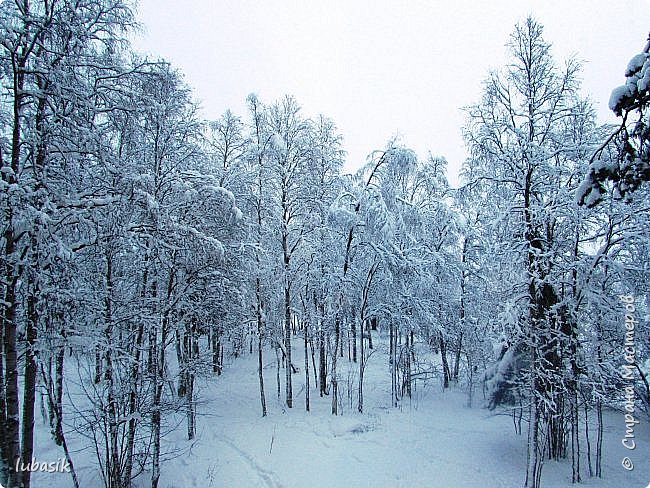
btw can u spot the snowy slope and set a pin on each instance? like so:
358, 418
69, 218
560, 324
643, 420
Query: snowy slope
432, 441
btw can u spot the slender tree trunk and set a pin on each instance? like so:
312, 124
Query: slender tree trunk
135, 378
53, 379
189, 395
158, 380
445, 364
347, 332
68, 457
306, 368
29, 393
575, 439
182, 364
98, 364
4, 462
260, 373
572, 392
112, 455
361, 371
533, 462
219, 352
470, 379
277, 371
459, 349
599, 438
151, 351
322, 361
287, 344
461, 317
9, 414
159, 362
337, 334
58, 395
11, 443
391, 342
214, 345
313, 361
191, 415
354, 339
54, 400
393, 365
588, 441
406, 377
260, 334
31, 332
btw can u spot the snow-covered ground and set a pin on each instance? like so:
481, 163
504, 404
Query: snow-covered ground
433, 440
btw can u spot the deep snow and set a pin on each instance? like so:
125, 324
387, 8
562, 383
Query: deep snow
433, 440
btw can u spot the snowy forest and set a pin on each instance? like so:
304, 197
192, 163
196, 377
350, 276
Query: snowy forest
189, 302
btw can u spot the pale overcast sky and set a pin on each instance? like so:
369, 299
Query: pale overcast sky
380, 68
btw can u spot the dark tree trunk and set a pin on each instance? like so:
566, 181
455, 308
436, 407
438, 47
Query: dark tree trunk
361, 371
406, 382
313, 361
260, 334
9, 409
393, 365
445, 364
322, 362
306, 368
459, 348
135, 379
588, 441
11, 441
260, 373
337, 334
354, 339
113, 465
391, 347
214, 344
55, 407
190, 354
158, 380
58, 396
191, 415
182, 366
287, 345
29, 394
151, 351
599, 438
277, 371
4, 462
98, 364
